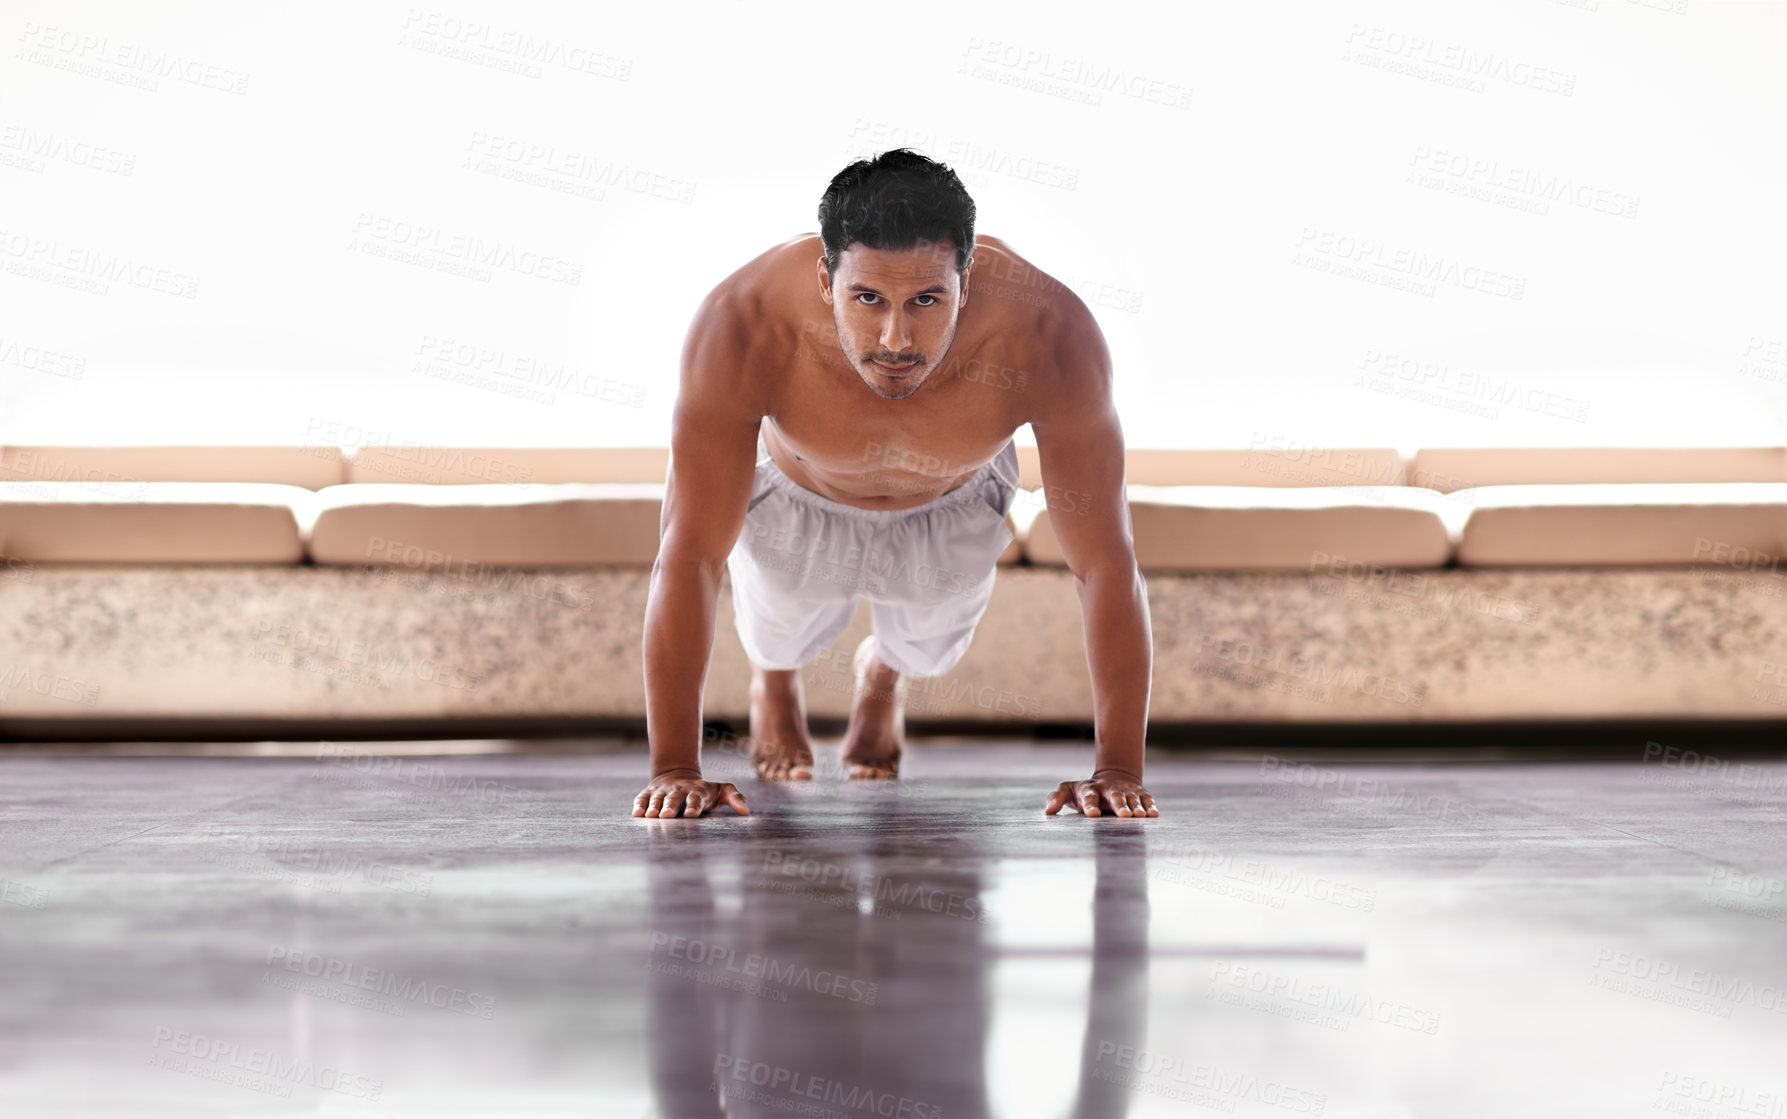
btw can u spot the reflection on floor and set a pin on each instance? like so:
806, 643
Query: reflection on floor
419, 936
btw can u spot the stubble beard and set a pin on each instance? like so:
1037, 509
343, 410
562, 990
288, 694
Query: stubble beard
868, 373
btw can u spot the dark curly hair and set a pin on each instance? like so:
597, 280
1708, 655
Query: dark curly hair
898, 200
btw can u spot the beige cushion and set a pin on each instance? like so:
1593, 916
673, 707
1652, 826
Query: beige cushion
1014, 551
423, 526
312, 467
153, 522
1199, 528
561, 524
462, 466
1629, 523
1026, 507
1456, 468
1268, 466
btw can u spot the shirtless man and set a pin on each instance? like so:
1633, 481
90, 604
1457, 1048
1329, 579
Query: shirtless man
843, 429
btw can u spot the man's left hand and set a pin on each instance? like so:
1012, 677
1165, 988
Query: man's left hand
1121, 793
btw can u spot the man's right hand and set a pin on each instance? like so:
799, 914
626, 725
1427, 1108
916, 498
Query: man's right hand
683, 791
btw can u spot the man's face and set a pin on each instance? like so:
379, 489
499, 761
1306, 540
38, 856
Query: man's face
895, 310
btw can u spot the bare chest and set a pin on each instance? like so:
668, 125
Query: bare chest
832, 434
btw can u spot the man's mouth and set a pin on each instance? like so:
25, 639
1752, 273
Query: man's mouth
896, 370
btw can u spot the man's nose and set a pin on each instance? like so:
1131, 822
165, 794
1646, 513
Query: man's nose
896, 333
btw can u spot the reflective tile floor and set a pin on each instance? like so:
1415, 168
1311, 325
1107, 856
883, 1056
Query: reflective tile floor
493, 935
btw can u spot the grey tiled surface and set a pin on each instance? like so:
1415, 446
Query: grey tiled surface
494, 936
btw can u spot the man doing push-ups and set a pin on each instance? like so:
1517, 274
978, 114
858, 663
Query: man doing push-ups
843, 429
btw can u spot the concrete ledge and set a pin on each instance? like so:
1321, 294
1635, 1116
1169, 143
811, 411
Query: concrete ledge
359, 644
1463, 742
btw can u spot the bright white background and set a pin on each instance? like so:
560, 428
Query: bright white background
1301, 129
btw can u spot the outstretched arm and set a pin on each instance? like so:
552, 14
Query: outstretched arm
713, 457
1080, 443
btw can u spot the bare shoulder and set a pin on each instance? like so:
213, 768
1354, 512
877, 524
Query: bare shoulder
756, 297
1021, 285
726, 364
761, 279
770, 291
1066, 350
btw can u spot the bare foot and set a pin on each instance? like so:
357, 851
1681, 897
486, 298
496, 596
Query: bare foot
877, 730
780, 749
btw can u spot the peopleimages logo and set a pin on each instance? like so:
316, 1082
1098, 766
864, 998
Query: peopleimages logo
1646, 977
1316, 671
123, 63
1177, 862
37, 359
1072, 77
1358, 792
1206, 1085
899, 896
1523, 187
51, 260
225, 1057
708, 954
385, 235
1392, 50
346, 758
1325, 247
843, 560
1465, 384
1714, 768
517, 375
34, 148
1344, 1006
292, 854
1726, 1098
407, 988
506, 48
372, 660
732, 1074
37, 681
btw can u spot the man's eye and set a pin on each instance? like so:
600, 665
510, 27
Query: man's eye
932, 298
866, 295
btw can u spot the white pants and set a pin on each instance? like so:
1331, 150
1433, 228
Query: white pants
803, 560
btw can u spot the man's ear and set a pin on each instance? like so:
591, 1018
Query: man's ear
967, 273
824, 283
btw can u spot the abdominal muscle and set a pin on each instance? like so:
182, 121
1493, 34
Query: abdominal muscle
881, 486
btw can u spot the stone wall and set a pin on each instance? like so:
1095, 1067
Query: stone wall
108, 642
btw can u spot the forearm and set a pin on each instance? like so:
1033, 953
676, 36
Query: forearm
1120, 654
679, 639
